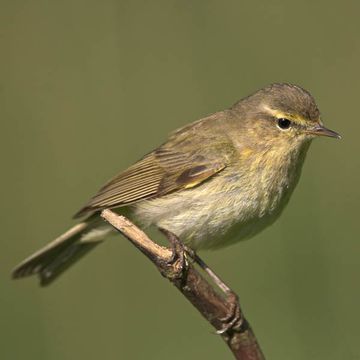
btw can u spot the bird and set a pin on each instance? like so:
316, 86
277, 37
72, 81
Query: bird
214, 182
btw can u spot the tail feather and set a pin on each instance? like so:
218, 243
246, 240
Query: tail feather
56, 257
63, 261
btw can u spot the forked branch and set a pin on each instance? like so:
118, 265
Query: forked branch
212, 306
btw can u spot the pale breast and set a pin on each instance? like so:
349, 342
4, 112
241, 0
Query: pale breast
234, 205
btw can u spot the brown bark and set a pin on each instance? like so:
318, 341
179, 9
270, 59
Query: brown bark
213, 306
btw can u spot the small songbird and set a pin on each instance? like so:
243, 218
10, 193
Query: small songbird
216, 181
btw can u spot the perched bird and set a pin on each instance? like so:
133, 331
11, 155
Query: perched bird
216, 181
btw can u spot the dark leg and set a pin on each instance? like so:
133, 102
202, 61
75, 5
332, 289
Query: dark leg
177, 246
233, 319
213, 276
178, 253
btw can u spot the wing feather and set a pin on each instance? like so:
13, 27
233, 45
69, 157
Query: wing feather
179, 164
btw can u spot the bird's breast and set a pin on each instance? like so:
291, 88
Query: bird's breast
235, 204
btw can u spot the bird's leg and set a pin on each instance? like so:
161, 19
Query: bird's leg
234, 318
178, 254
177, 246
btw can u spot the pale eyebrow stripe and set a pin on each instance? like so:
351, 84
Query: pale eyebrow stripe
279, 114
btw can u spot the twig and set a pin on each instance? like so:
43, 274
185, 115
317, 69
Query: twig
212, 306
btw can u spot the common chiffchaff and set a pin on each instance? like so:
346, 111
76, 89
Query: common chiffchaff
215, 181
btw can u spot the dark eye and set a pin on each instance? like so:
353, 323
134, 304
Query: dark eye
284, 123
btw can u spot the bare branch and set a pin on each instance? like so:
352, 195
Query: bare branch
212, 306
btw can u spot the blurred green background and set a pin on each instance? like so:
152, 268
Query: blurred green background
88, 87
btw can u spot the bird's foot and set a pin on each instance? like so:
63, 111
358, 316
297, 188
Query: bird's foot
176, 266
233, 320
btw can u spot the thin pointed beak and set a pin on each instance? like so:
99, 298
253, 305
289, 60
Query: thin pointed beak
321, 130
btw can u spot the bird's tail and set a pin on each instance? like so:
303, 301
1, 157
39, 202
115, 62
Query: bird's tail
56, 257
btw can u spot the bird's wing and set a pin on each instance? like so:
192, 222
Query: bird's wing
176, 165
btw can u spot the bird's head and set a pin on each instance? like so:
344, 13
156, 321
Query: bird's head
282, 114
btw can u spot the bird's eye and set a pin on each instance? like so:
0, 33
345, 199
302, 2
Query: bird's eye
284, 124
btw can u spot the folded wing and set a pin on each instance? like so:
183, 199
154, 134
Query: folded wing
177, 165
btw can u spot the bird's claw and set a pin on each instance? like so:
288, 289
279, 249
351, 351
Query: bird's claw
233, 320
176, 265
